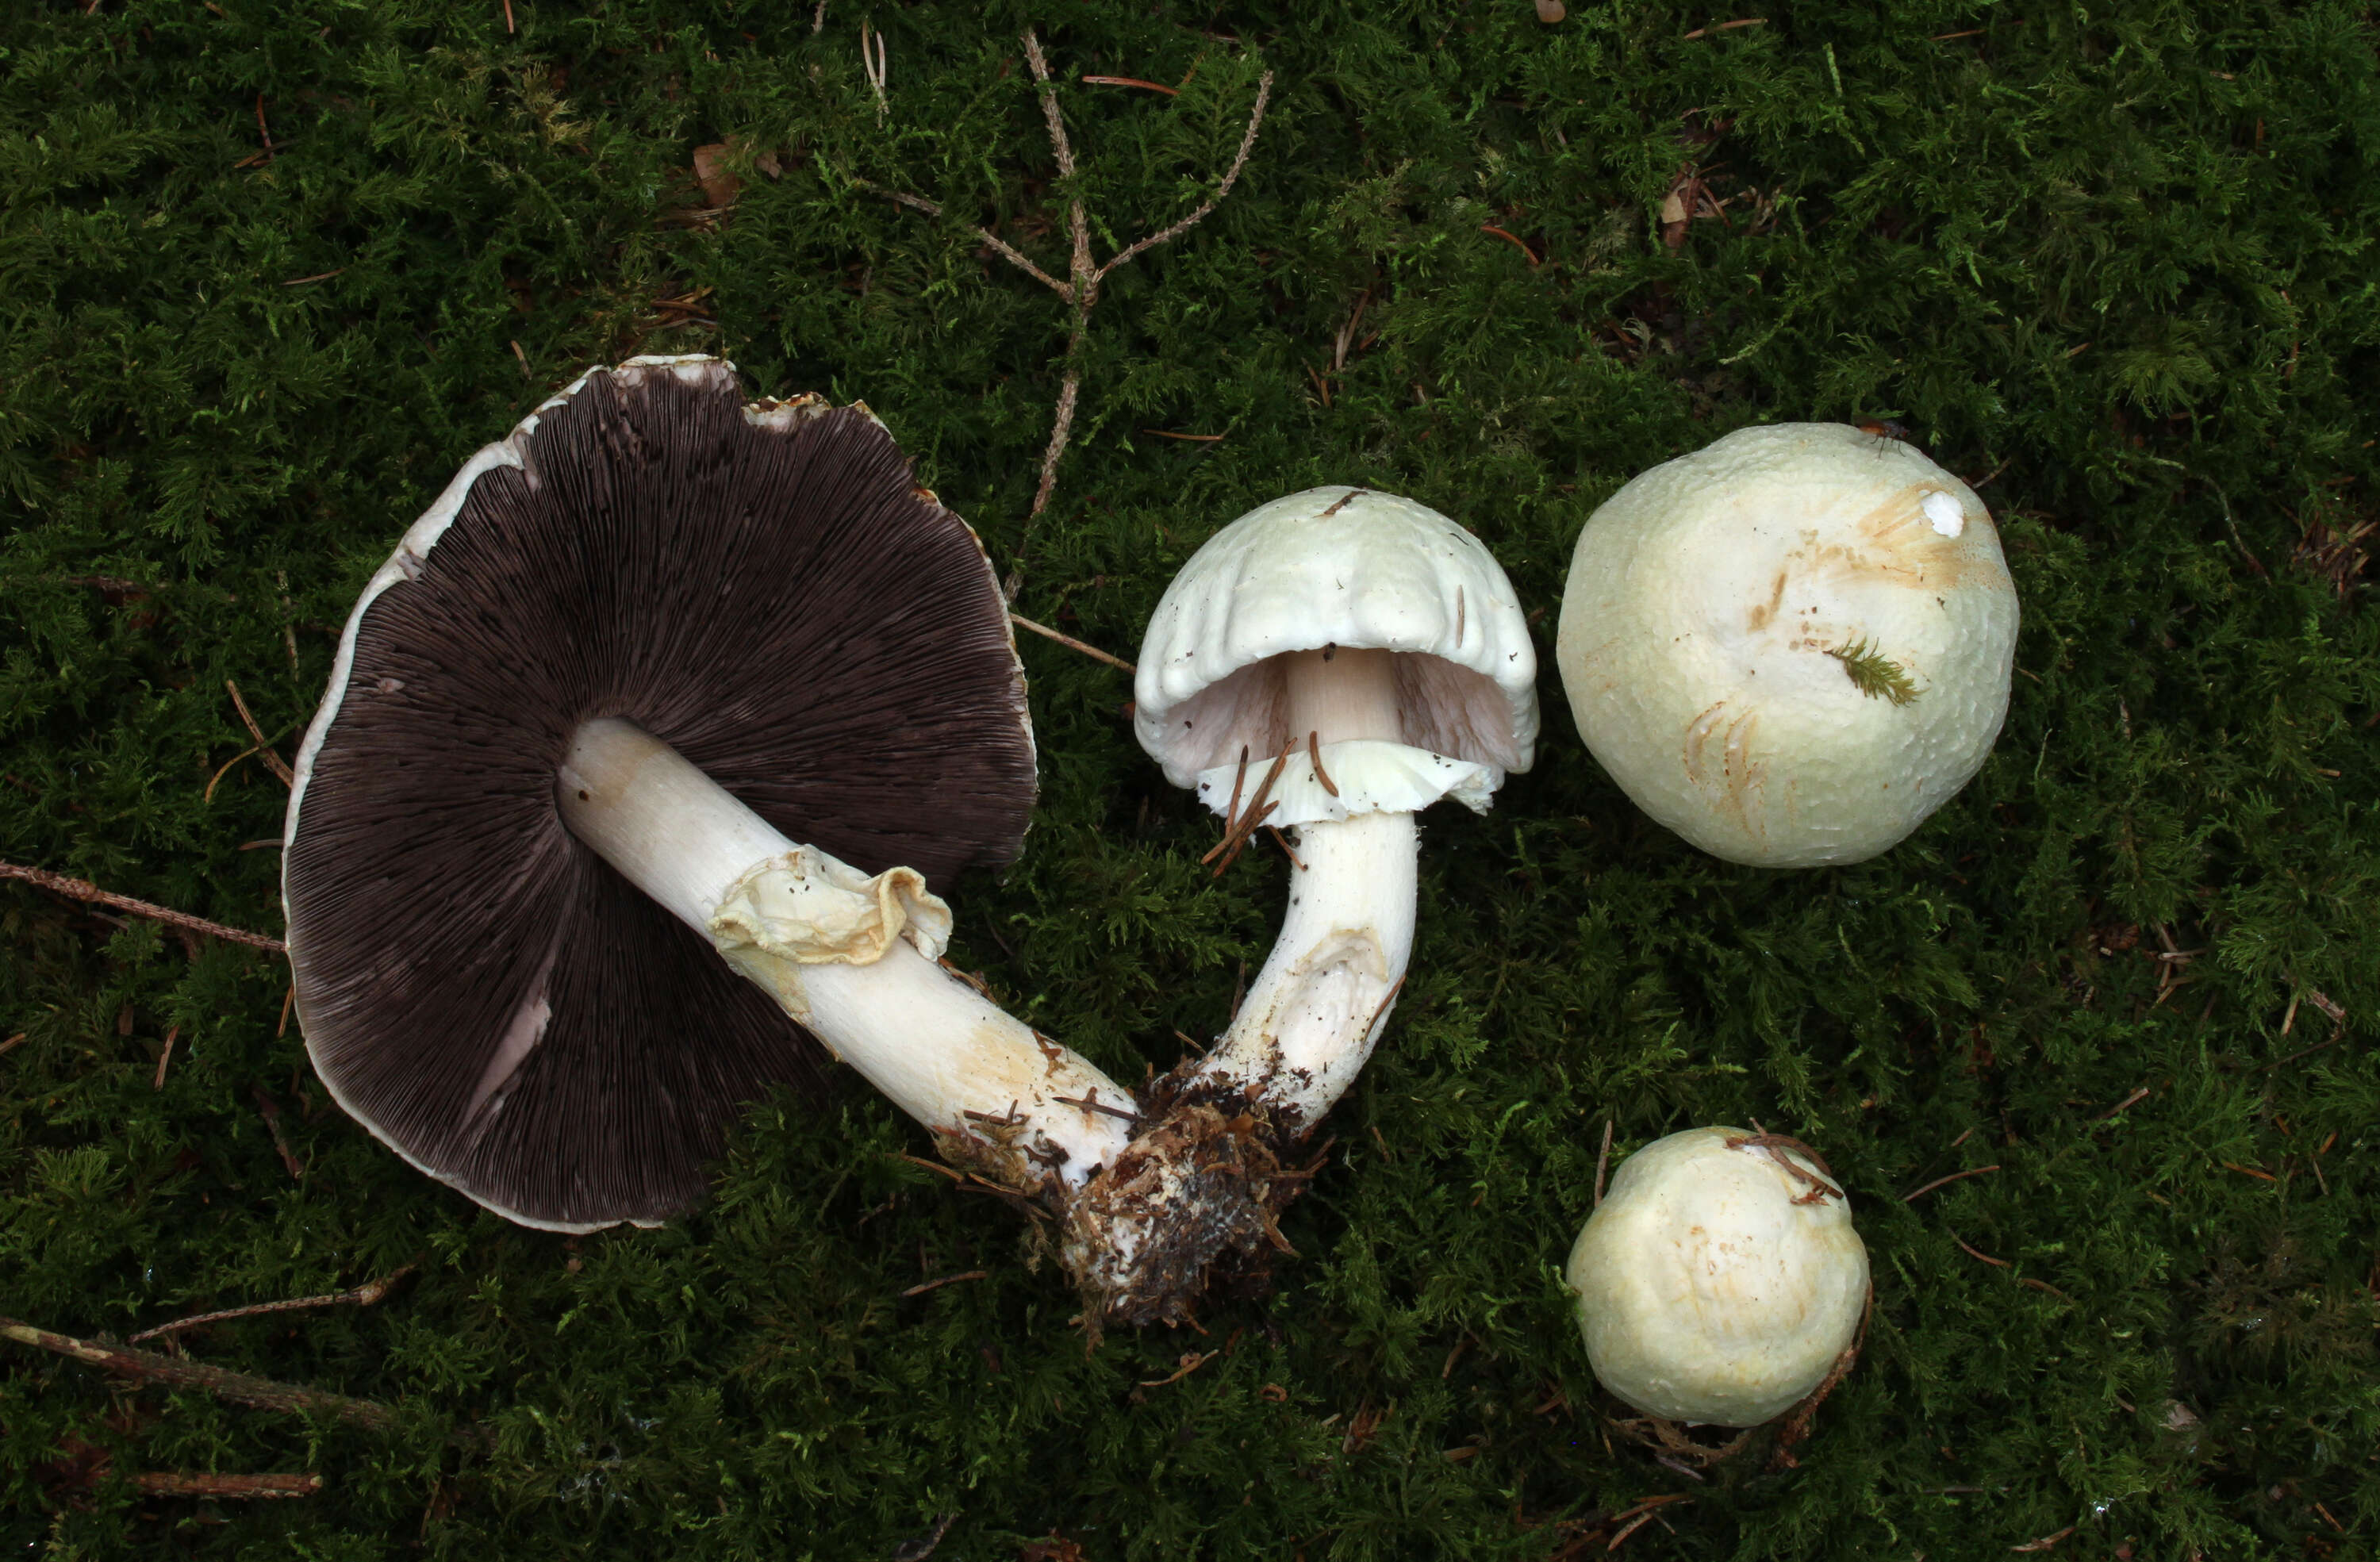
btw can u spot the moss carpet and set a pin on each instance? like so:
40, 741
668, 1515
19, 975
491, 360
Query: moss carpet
271, 271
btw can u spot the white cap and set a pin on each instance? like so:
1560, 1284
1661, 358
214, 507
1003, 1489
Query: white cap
1792, 645
1357, 569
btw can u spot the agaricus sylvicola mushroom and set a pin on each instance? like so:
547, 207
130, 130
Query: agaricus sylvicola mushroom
1720, 1281
631, 697
1328, 664
1792, 645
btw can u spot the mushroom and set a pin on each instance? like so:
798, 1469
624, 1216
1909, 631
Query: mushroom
633, 696
1330, 663
1720, 1281
1792, 645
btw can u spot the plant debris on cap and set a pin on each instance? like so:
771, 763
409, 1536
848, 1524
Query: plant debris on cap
762, 587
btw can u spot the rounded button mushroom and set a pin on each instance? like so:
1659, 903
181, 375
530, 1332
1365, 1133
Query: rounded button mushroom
634, 694
1328, 664
1720, 1281
1792, 645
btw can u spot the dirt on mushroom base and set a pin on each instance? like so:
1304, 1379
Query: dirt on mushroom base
1192, 1207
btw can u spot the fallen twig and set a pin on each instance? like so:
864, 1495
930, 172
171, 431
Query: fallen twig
235, 1488
240, 1388
1973, 1171
947, 1280
1071, 643
82, 889
1191, 1361
1080, 291
364, 1295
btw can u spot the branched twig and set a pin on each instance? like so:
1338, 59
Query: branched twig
1081, 290
362, 1296
82, 889
1007, 252
240, 1388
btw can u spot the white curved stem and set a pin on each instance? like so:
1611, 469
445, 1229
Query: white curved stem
839, 951
1308, 1023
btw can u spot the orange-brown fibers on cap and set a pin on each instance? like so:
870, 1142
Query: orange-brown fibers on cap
783, 609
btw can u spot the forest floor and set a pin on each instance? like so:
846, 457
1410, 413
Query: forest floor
273, 271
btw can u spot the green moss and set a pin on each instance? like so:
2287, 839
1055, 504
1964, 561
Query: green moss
2117, 260
1875, 674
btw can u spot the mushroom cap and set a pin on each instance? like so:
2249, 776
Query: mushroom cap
1706, 1293
762, 587
1712, 605
1356, 568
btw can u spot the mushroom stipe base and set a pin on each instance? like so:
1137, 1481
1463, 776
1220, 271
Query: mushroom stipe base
1191, 1209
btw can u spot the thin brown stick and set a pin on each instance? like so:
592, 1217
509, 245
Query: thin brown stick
1314, 752
1090, 1102
1380, 1010
1237, 836
1169, 434
240, 1388
364, 1295
215, 780
1282, 842
1994, 1263
1602, 1159
951, 1172
947, 1280
1006, 251
1071, 643
1062, 426
272, 761
1129, 81
1954, 1177
163, 1058
82, 889
1257, 815
1231, 811
234, 1488
272, 1111
1231, 176
1515, 240
1190, 1362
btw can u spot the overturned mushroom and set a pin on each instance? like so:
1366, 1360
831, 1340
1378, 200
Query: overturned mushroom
1329, 664
633, 696
1792, 645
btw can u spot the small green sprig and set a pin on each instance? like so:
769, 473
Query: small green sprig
1875, 674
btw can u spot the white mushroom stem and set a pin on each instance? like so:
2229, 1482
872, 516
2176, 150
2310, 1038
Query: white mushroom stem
841, 952
1307, 1025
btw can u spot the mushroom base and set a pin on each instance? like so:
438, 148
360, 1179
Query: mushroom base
1191, 1207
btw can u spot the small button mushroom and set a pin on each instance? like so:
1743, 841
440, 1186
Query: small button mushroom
1720, 1281
1792, 645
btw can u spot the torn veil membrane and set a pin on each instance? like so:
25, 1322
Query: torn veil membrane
638, 759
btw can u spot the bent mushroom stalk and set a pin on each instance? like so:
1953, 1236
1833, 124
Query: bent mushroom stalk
1330, 663
572, 833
